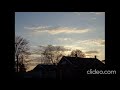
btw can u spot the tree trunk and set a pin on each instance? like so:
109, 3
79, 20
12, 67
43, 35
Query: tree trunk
17, 62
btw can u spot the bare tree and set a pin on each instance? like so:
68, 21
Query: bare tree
52, 53
77, 52
21, 53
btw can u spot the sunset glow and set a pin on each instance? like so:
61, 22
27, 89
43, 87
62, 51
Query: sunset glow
73, 30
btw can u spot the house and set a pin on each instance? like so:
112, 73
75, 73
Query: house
76, 67
42, 71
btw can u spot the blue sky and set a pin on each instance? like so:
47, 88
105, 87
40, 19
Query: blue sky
75, 30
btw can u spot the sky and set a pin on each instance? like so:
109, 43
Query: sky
74, 30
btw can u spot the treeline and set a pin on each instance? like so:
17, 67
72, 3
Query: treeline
49, 54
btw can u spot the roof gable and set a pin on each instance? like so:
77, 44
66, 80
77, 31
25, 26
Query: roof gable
82, 62
44, 67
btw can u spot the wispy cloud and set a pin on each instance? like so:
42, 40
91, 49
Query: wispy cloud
73, 47
99, 42
100, 53
97, 13
57, 29
91, 52
36, 28
65, 39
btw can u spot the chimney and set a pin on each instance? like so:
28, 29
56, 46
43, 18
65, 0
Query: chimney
95, 57
75, 55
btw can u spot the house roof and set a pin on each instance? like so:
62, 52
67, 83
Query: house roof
44, 67
82, 62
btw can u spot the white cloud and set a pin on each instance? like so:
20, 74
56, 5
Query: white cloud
68, 30
97, 13
98, 42
65, 39
73, 47
39, 27
57, 30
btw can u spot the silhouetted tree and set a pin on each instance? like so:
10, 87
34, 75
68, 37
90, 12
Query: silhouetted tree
22, 67
53, 53
77, 53
21, 52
